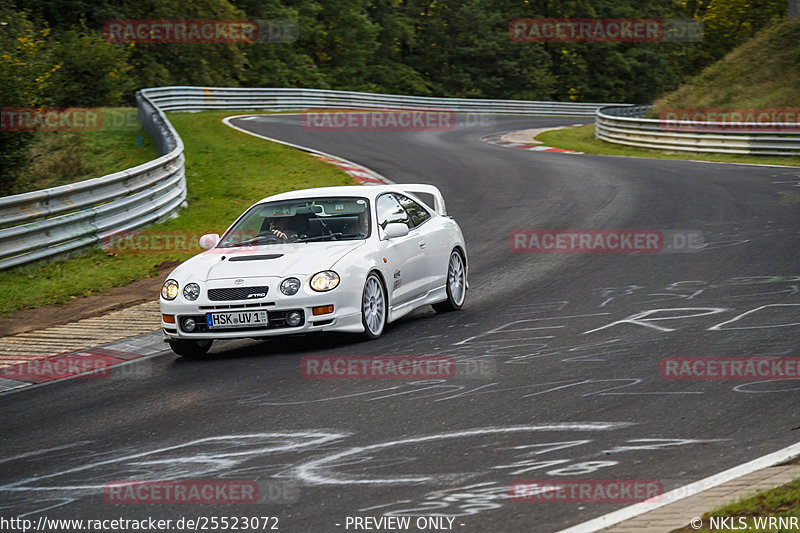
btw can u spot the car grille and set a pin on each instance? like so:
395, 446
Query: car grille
233, 306
237, 293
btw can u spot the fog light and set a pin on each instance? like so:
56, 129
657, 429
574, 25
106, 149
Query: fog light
322, 310
293, 318
188, 324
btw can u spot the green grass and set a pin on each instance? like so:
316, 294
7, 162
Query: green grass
581, 139
782, 501
62, 157
226, 172
762, 73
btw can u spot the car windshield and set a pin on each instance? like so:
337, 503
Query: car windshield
303, 220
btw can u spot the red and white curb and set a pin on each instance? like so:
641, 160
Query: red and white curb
82, 348
110, 361
498, 139
360, 173
534, 147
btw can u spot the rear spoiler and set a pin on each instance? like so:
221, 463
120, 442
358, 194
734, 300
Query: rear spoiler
421, 188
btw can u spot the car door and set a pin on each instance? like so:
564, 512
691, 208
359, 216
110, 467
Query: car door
435, 238
406, 265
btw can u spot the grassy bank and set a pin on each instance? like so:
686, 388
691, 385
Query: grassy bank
782, 501
581, 139
226, 172
61, 157
762, 73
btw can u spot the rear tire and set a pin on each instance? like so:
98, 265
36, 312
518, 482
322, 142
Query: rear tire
373, 307
456, 285
191, 349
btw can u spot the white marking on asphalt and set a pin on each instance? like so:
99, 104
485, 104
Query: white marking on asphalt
642, 317
206, 461
610, 519
719, 327
318, 472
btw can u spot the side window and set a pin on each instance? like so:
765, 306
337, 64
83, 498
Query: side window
390, 211
417, 212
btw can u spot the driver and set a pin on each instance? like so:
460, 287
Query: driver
282, 227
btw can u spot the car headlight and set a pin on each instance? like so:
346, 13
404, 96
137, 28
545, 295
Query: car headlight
191, 291
290, 286
170, 289
324, 281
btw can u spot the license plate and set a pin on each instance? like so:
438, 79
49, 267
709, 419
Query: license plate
236, 319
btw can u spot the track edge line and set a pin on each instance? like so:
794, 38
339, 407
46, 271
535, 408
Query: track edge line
632, 511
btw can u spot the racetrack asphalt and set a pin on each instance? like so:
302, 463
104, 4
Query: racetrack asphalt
565, 390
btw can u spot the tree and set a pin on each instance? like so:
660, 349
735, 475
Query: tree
25, 74
89, 71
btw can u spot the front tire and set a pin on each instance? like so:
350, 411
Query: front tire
373, 307
456, 285
190, 349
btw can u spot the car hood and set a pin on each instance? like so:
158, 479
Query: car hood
278, 260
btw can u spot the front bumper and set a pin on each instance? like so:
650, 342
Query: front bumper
346, 317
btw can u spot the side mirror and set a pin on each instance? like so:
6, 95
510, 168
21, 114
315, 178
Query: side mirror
394, 230
209, 240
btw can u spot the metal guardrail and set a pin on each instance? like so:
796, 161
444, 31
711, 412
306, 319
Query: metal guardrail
59, 220
200, 98
52, 222
627, 125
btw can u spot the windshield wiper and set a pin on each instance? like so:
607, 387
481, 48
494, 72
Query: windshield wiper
330, 236
248, 241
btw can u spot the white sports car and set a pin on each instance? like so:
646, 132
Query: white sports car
349, 259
